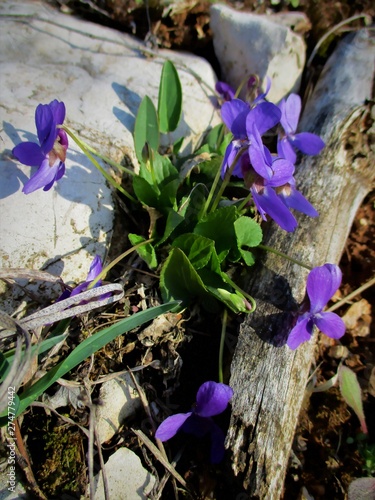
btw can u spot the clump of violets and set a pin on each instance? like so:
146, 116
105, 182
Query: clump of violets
322, 284
50, 154
269, 177
212, 399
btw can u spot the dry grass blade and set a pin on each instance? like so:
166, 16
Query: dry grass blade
158, 455
330, 32
31, 274
22, 360
71, 306
24, 462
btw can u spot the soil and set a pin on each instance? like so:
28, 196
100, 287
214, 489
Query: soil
329, 450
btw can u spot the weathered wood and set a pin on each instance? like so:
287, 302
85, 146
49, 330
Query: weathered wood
267, 377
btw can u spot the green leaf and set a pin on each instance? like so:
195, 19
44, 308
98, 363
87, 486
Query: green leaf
146, 128
168, 195
157, 183
192, 206
222, 291
180, 281
146, 252
198, 249
248, 234
208, 169
219, 226
215, 137
84, 350
145, 192
174, 219
4, 366
224, 144
177, 145
164, 170
170, 98
351, 392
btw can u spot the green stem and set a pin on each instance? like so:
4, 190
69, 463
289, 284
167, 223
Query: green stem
96, 164
226, 180
116, 261
212, 191
245, 202
280, 254
236, 287
240, 87
107, 160
222, 341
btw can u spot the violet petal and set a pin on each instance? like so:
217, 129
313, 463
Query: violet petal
29, 153
330, 324
225, 91
46, 127
234, 115
282, 172
300, 333
212, 398
258, 158
285, 150
95, 268
44, 176
291, 112
321, 285
171, 425
196, 425
58, 111
59, 169
271, 204
294, 199
217, 444
310, 144
264, 116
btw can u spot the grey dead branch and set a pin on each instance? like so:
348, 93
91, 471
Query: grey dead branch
267, 377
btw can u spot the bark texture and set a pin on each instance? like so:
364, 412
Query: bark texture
268, 378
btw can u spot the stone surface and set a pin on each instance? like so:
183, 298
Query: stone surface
247, 43
127, 479
119, 400
102, 76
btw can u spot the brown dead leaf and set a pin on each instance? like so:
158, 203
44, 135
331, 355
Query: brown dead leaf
358, 318
160, 327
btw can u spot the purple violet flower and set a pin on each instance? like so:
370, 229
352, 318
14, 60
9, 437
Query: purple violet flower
212, 399
96, 268
225, 91
308, 143
292, 198
240, 119
322, 283
50, 155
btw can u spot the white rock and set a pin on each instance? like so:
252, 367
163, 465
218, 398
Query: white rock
119, 400
127, 479
248, 44
102, 76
